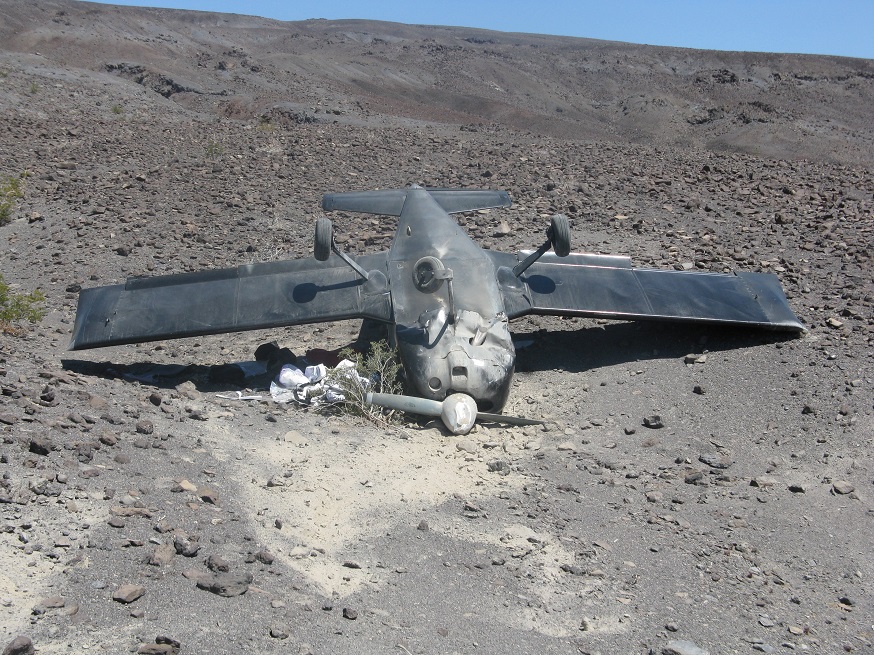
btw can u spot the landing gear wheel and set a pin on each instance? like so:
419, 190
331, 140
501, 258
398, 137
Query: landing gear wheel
324, 239
560, 235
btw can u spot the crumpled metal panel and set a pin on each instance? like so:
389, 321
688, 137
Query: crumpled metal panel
472, 355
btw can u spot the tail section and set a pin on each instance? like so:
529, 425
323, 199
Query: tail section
390, 202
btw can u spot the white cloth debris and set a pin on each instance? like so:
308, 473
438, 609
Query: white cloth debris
291, 376
316, 385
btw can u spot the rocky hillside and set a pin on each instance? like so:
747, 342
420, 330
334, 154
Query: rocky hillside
787, 106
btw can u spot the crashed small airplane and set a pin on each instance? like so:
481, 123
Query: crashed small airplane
448, 301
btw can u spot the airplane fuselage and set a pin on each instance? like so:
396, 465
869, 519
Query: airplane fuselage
451, 329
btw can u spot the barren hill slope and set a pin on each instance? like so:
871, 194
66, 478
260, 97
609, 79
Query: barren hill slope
780, 105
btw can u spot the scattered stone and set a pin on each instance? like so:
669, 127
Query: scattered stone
266, 557
349, 613
163, 646
108, 438
716, 461
654, 422
128, 593
567, 446
157, 649
797, 488
683, 647
842, 487
185, 546
226, 584
40, 445
52, 602
499, 466
423, 526
207, 495
162, 555
185, 485
467, 446
145, 427
21, 645
217, 564
280, 631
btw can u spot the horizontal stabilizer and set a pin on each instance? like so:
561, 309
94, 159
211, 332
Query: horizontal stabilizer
390, 202
249, 297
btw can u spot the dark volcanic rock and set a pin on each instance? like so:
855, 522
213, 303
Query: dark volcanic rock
226, 584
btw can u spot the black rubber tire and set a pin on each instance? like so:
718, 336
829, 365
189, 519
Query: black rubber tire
324, 239
560, 235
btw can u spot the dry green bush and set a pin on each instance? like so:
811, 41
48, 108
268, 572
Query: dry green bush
18, 307
11, 189
381, 366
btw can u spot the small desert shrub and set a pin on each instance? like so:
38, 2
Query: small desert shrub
214, 150
11, 189
381, 366
18, 307
117, 109
264, 124
34, 88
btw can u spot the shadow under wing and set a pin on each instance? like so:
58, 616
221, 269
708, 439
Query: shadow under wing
249, 297
606, 286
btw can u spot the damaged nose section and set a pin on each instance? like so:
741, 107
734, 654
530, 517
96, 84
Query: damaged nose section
470, 355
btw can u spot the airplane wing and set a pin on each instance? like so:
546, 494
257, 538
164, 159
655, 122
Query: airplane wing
607, 286
249, 297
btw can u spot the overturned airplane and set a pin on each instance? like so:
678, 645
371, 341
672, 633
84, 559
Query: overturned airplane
448, 301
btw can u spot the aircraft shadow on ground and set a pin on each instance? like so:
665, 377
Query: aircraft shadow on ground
621, 343
206, 378
572, 351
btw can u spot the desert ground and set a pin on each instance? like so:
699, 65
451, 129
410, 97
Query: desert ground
164, 515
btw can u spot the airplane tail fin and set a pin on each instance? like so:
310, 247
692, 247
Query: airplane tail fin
390, 202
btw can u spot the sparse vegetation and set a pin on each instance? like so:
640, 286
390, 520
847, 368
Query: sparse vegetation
214, 150
117, 109
34, 88
11, 189
380, 365
18, 307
